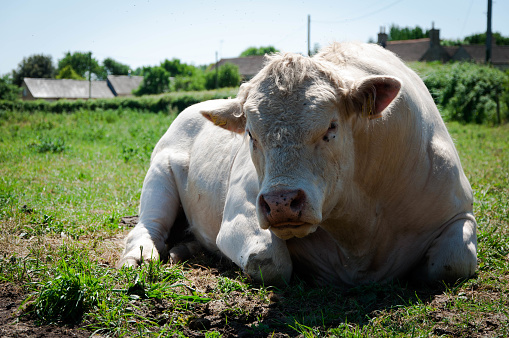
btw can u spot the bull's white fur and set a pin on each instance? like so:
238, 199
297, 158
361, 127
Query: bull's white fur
386, 197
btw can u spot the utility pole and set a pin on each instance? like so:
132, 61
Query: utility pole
488, 34
217, 71
89, 75
309, 35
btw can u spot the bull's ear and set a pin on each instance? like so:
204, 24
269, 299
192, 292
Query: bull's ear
371, 95
226, 113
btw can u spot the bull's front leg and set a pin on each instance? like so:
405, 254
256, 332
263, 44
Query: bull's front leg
260, 254
453, 255
159, 205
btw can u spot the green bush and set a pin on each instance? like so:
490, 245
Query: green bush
228, 75
467, 92
8, 90
153, 103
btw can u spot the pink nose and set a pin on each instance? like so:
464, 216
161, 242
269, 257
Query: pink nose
283, 208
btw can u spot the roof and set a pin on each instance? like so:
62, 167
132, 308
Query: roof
249, 66
409, 50
68, 89
122, 85
499, 54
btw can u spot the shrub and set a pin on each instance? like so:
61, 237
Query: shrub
467, 92
8, 90
228, 75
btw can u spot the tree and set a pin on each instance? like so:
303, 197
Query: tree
195, 82
480, 39
69, 73
259, 51
112, 67
228, 75
8, 90
175, 67
406, 33
36, 66
79, 61
156, 80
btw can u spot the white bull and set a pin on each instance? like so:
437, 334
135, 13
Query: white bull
338, 166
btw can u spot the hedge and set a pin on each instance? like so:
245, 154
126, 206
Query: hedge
468, 92
152, 103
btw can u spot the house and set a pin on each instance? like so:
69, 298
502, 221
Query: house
123, 85
54, 89
430, 49
249, 66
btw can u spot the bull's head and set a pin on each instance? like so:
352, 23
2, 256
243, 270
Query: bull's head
297, 116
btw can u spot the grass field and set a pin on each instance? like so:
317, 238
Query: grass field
67, 180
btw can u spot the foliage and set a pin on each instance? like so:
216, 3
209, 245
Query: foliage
156, 80
196, 82
480, 39
112, 67
81, 62
151, 103
8, 90
171, 75
227, 75
406, 33
259, 51
467, 92
69, 73
35, 66
175, 68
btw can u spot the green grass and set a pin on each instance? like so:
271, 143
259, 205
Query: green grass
66, 180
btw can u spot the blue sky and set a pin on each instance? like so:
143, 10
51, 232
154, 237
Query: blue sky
146, 32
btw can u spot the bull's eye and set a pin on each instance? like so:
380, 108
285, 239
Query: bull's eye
331, 132
252, 139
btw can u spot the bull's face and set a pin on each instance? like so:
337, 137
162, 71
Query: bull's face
295, 145
301, 143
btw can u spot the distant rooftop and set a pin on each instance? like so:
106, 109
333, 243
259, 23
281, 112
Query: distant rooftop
249, 66
123, 85
69, 89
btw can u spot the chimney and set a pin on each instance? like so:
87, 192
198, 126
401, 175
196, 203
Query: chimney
434, 36
382, 37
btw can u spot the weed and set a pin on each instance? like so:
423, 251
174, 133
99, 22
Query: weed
47, 145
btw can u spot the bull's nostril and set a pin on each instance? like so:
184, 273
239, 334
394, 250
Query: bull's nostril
298, 202
264, 205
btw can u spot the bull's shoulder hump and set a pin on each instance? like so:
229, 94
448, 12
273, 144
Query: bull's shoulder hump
191, 127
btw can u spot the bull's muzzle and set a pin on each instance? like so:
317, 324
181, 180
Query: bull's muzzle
283, 208
285, 213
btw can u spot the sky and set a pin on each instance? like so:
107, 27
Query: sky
144, 33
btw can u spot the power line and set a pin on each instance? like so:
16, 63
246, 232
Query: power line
466, 19
362, 16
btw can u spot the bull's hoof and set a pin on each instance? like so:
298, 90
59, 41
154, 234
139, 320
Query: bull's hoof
263, 270
128, 261
183, 251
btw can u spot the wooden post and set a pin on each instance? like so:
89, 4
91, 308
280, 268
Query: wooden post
488, 34
309, 35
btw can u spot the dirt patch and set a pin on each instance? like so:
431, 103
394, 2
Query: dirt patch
11, 325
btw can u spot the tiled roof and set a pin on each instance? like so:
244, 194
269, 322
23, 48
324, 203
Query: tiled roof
123, 85
409, 50
499, 54
249, 66
68, 89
